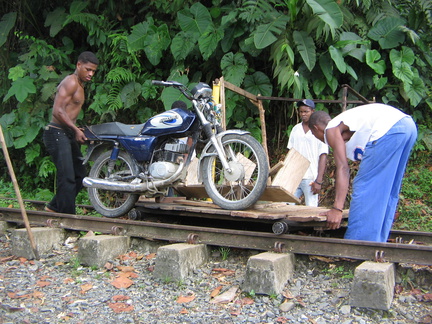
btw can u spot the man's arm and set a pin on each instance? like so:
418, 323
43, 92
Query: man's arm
322, 163
337, 143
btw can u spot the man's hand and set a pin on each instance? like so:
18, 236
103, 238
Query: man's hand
334, 218
80, 137
315, 188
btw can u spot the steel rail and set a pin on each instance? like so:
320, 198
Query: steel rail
330, 247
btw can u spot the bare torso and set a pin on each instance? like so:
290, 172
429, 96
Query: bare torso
69, 98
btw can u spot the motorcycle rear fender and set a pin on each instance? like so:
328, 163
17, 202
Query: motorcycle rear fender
95, 149
219, 136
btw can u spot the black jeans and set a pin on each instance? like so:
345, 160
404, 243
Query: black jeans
67, 157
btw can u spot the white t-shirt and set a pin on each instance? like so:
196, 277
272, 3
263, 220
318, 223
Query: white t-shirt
369, 122
308, 146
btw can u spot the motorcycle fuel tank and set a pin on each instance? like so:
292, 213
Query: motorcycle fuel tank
169, 122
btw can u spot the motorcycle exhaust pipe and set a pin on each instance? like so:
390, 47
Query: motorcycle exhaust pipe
130, 187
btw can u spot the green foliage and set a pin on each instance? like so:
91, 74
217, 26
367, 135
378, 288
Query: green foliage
340, 271
415, 209
6, 24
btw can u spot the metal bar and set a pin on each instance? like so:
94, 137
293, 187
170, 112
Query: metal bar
361, 250
315, 100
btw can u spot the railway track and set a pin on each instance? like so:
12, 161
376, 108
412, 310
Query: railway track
409, 247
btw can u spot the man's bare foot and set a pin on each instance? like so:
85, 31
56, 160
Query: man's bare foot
49, 210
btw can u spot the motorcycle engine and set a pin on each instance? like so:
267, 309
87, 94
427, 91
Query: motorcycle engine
167, 160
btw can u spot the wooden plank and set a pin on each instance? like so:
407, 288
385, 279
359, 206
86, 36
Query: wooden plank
291, 174
275, 168
240, 91
265, 211
192, 173
249, 167
271, 193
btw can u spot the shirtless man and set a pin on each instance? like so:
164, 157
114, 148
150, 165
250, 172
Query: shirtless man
62, 136
381, 137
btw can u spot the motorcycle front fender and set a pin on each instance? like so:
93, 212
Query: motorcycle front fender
205, 151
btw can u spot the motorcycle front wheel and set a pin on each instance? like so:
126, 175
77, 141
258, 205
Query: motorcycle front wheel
112, 203
244, 185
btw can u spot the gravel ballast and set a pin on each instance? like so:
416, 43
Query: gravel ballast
57, 289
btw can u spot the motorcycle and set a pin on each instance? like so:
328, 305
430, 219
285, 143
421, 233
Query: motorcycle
147, 159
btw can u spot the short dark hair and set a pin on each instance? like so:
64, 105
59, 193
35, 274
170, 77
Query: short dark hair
319, 117
87, 56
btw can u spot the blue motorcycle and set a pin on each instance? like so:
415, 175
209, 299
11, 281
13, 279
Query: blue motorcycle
147, 159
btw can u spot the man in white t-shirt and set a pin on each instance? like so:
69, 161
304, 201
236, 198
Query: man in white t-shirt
381, 137
303, 141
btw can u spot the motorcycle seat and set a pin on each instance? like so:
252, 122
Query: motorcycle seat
117, 129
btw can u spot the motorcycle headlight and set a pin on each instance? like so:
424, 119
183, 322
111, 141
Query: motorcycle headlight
202, 90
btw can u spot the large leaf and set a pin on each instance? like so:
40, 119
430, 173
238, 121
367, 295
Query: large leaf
258, 83
77, 7
32, 152
352, 45
337, 57
415, 91
388, 32
182, 44
196, 20
136, 40
379, 82
318, 86
402, 70
76, 13
351, 72
55, 20
156, 42
28, 136
5, 121
129, 94
169, 95
373, 60
6, 24
209, 41
306, 47
16, 72
326, 67
21, 88
234, 68
405, 55
328, 11
266, 34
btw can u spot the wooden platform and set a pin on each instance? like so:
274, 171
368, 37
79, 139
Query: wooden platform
284, 178
261, 211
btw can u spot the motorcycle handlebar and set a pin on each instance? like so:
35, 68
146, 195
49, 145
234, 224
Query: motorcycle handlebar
166, 83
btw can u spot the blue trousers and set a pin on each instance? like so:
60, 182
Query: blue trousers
377, 184
67, 157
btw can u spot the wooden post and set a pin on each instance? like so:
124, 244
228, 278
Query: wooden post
263, 128
222, 101
18, 194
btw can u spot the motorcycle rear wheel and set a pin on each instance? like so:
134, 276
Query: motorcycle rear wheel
112, 203
246, 183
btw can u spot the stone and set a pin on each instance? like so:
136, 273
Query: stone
97, 250
267, 273
4, 226
373, 285
177, 261
44, 237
